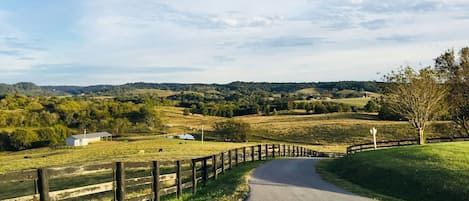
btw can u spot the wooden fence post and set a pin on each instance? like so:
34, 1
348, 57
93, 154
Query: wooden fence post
178, 180
273, 150
259, 152
297, 151
284, 151
222, 162
156, 180
236, 157
204, 171
214, 164
252, 153
43, 184
229, 158
279, 150
266, 151
194, 176
289, 150
244, 154
120, 181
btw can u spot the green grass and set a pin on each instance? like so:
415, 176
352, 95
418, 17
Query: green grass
430, 172
103, 152
233, 185
358, 102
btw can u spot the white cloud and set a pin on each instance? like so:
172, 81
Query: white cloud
236, 40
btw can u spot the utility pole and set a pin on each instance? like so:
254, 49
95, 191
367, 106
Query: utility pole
202, 134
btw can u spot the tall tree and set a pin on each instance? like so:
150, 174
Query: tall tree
455, 72
417, 96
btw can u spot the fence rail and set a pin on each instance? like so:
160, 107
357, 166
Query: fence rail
403, 142
140, 180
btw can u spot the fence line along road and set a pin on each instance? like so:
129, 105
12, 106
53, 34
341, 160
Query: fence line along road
403, 142
136, 180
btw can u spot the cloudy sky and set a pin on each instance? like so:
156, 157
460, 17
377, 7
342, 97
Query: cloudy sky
82, 42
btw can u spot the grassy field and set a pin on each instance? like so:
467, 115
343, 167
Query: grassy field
322, 132
335, 129
139, 150
333, 132
357, 102
233, 185
430, 172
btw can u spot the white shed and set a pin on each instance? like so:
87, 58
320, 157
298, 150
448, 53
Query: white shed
84, 139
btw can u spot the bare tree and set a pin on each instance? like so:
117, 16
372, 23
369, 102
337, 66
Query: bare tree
417, 96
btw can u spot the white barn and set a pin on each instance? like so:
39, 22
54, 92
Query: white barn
84, 139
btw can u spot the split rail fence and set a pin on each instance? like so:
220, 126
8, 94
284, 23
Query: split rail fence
134, 180
404, 142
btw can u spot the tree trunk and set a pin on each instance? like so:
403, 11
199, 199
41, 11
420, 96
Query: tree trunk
421, 136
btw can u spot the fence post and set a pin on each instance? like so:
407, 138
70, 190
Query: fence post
273, 150
178, 179
297, 151
266, 151
289, 151
229, 159
204, 171
214, 164
120, 181
252, 153
279, 152
156, 180
244, 154
43, 184
236, 156
284, 154
259, 152
194, 176
222, 162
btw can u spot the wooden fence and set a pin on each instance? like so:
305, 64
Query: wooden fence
135, 180
404, 142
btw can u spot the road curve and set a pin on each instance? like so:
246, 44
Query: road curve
294, 179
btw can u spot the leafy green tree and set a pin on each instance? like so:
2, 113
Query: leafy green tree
455, 72
372, 106
232, 130
417, 96
22, 139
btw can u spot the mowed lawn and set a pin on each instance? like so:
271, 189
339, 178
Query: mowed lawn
101, 152
430, 172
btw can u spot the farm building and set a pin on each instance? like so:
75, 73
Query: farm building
183, 137
84, 139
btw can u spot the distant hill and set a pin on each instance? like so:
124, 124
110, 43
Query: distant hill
234, 86
27, 88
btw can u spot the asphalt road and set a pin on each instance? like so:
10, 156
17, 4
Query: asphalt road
294, 179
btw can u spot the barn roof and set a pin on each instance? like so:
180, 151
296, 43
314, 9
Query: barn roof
91, 135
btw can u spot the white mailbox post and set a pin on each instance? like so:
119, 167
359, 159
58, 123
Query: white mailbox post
373, 132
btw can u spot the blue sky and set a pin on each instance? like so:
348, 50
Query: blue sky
83, 42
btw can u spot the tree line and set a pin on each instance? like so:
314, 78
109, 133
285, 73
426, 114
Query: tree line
45, 121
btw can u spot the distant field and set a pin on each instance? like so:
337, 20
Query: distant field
358, 102
431, 172
308, 91
334, 129
159, 92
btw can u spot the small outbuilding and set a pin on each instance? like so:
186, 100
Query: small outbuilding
183, 137
84, 139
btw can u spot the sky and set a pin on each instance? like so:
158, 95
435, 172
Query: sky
87, 42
